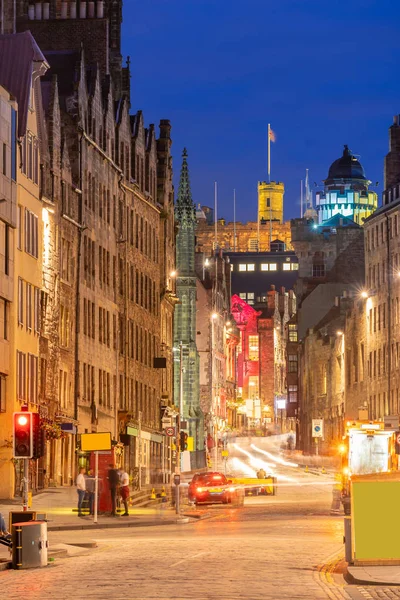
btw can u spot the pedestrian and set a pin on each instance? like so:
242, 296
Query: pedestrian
261, 474
81, 489
113, 481
90, 485
3, 527
124, 490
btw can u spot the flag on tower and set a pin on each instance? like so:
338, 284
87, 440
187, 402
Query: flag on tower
272, 135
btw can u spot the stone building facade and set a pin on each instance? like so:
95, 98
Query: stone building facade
241, 237
108, 246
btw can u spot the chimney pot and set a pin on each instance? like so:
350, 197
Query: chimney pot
38, 11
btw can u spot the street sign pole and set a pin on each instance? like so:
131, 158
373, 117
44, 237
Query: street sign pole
96, 484
25, 485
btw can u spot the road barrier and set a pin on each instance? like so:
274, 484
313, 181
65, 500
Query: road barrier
252, 485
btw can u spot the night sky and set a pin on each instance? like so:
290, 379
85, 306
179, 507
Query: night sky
322, 73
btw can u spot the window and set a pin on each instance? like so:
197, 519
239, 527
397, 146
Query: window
292, 389
264, 267
19, 227
286, 266
251, 267
293, 337
242, 267
292, 363
21, 375
243, 295
253, 347
29, 306
31, 234
295, 266
273, 266
32, 378
4, 159
20, 301
318, 271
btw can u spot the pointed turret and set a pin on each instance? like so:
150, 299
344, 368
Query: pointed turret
185, 210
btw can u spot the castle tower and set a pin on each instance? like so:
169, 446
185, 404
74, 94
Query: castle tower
192, 418
270, 201
346, 191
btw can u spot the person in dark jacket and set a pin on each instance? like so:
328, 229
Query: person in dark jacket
113, 482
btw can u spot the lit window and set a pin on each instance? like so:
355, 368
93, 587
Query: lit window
242, 267
231, 267
250, 296
250, 267
253, 347
293, 333
292, 393
286, 266
295, 266
242, 295
292, 363
264, 267
273, 267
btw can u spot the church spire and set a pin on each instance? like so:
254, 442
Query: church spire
185, 208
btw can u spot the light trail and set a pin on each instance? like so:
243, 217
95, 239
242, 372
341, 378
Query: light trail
277, 459
243, 467
257, 461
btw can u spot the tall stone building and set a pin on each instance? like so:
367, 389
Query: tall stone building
108, 246
186, 371
23, 220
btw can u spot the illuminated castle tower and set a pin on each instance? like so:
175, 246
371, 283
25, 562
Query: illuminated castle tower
270, 201
346, 191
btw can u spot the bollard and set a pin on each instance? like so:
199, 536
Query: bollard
153, 494
163, 492
306, 469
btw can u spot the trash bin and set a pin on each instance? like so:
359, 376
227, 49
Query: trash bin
29, 545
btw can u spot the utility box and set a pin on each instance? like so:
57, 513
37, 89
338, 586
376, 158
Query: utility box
29, 545
375, 526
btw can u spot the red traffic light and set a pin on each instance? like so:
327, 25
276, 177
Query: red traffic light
22, 435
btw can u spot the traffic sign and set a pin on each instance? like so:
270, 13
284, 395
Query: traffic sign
317, 428
170, 431
166, 422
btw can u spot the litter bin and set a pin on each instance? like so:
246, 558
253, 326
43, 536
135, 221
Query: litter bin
29, 545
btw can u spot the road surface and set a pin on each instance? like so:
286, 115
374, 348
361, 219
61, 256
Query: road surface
273, 548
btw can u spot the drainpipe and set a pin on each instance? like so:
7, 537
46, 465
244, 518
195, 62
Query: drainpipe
389, 300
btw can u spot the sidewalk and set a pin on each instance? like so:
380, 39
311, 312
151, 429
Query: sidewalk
58, 504
379, 575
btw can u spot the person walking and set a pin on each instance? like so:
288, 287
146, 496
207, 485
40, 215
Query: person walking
113, 481
124, 491
81, 489
90, 485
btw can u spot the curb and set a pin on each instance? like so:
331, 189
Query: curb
123, 525
350, 578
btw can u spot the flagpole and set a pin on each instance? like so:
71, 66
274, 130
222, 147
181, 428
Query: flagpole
215, 216
301, 198
234, 220
269, 153
258, 217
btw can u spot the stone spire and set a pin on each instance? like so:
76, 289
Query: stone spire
185, 210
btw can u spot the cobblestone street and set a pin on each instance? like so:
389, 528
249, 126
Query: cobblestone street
279, 547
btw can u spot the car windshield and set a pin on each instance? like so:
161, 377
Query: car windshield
212, 480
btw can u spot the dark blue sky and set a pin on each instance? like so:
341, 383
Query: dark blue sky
322, 73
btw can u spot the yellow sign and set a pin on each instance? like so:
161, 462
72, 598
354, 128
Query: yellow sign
190, 444
224, 453
91, 442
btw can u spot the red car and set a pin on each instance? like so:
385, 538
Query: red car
212, 488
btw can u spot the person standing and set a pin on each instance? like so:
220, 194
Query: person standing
124, 491
90, 485
113, 481
81, 489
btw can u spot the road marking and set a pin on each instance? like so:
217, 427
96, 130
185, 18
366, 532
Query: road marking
188, 558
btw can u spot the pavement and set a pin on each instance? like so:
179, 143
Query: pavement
275, 547
374, 575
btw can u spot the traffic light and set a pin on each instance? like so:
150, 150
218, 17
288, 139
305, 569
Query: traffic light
22, 435
39, 437
183, 440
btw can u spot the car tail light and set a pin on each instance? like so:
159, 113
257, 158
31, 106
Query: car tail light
200, 489
217, 477
231, 489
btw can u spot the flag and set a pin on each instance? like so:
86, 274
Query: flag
272, 135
